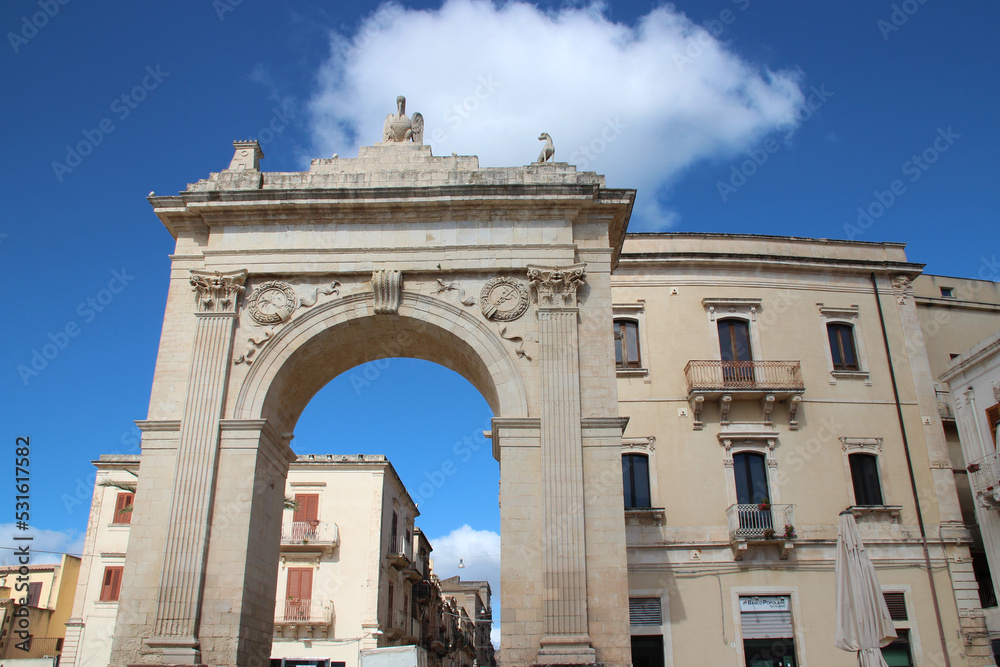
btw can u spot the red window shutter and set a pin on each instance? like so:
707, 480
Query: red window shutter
300, 583
112, 584
125, 499
993, 417
307, 507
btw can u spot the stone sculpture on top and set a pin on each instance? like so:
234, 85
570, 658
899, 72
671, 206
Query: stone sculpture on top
399, 128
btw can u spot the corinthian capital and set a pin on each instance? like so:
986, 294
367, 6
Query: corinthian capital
556, 286
218, 290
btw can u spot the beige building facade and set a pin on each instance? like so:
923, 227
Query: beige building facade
771, 382
354, 575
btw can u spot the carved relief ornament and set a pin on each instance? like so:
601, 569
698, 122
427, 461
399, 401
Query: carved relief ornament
217, 291
272, 302
387, 286
902, 288
557, 286
504, 299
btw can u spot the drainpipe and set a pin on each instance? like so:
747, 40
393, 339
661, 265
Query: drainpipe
913, 480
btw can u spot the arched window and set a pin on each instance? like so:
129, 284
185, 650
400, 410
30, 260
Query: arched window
627, 344
635, 479
864, 474
845, 357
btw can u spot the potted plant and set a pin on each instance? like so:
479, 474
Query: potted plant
790, 532
764, 505
973, 467
769, 533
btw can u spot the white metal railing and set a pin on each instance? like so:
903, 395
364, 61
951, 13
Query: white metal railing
751, 522
985, 473
305, 532
304, 611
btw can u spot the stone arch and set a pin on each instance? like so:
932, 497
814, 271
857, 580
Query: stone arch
344, 333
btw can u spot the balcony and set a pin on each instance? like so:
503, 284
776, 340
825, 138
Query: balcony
304, 536
725, 381
749, 524
985, 476
292, 616
400, 552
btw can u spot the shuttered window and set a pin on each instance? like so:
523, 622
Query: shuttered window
123, 508
111, 585
645, 611
896, 602
766, 617
306, 507
993, 418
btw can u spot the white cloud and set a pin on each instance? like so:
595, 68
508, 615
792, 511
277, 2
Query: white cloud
638, 103
479, 550
54, 542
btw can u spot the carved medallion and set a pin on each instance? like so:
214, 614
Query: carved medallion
504, 299
272, 302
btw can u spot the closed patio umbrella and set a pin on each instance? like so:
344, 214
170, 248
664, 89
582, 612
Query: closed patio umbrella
863, 621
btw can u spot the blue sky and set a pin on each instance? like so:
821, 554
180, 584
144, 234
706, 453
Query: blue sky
872, 120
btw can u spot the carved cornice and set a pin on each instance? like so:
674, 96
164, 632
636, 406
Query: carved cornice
217, 291
849, 444
556, 287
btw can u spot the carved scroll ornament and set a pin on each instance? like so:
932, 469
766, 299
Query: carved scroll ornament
557, 286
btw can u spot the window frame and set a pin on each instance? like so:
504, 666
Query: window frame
872, 446
620, 334
798, 630
909, 625
114, 593
632, 487
635, 312
664, 629
756, 443
840, 331
123, 499
868, 490
850, 316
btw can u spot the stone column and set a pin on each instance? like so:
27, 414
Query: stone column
178, 604
565, 639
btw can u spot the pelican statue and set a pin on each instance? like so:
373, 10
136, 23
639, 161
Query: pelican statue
548, 150
398, 128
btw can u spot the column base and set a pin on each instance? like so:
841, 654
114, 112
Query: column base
176, 651
566, 650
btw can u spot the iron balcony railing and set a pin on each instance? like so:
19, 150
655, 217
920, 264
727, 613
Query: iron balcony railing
402, 547
714, 374
314, 612
985, 473
310, 532
751, 523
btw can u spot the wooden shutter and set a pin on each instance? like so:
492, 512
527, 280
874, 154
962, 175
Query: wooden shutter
300, 583
307, 507
34, 593
112, 584
896, 602
125, 499
645, 611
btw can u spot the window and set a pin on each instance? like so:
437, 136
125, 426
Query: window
645, 611
845, 357
647, 651
635, 478
993, 419
299, 593
948, 292
768, 632
734, 346
864, 474
896, 604
627, 344
306, 507
111, 585
751, 478
394, 533
897, 654
123, 507
34, 593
